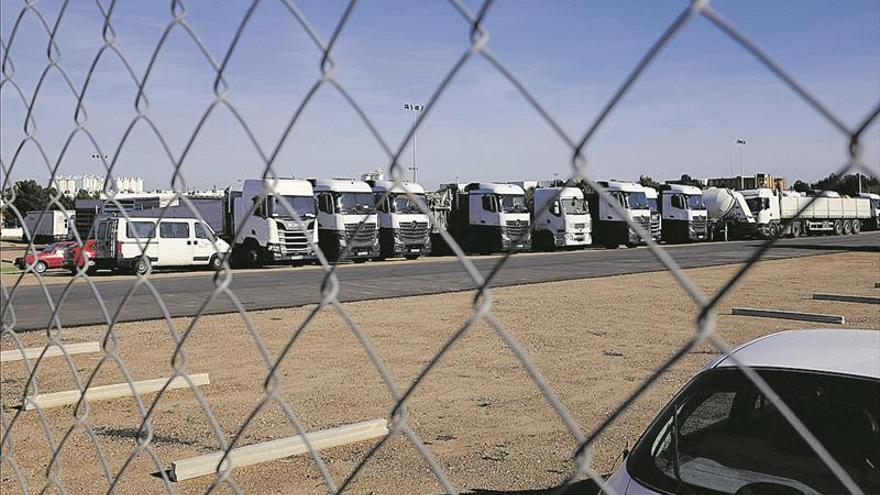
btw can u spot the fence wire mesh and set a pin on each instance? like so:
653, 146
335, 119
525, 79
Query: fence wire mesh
476, 46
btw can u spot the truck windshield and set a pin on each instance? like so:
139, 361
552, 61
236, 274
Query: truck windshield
303, 205
721, 435
652, 204
574, 206
695, 202
636, 201
351, 203
513, 203
401, 203
755, 204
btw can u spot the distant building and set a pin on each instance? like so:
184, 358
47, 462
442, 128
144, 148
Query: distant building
741, 182
95, 184
66, 185
92, 184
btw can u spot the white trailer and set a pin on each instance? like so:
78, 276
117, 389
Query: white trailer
826, 214
403, 225
564, 223
347, 220
729, 214
260, 223
47, 226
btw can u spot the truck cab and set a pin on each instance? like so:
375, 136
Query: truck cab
610, 228
485, 217
874, 223
263, 228
564, 222
347, 219
656, 218
404, 228
685, 218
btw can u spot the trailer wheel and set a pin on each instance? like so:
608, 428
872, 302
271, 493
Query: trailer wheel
847, 227
856, 226
838, 227
796, 229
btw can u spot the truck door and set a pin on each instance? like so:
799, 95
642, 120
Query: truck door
175, 244
203, 244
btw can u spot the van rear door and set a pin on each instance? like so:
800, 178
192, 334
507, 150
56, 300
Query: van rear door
105, 238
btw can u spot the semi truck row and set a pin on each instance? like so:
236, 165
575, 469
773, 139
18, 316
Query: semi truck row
294, 221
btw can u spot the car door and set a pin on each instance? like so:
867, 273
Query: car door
175, 243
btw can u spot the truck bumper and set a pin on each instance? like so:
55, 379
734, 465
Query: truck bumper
573, 240
413, 249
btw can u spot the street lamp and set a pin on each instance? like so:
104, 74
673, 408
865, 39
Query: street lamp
415, 109
742, 144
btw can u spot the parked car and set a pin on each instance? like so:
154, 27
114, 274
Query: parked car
721, 435
51, 256
78, 256
135, 244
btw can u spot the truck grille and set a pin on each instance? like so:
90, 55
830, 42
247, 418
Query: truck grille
294, 240
517, 229
366, 235
580, 225
645, 222
655, 225
699, 224
414, 231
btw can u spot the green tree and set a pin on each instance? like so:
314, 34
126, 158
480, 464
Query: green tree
31, 196
648, 181
688, 181
847, 184
800, 186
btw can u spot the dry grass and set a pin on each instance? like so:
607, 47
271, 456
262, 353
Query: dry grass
483, 418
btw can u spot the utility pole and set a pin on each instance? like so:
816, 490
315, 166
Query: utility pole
415, 109
742, 144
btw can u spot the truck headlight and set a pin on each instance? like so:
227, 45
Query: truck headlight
398, 237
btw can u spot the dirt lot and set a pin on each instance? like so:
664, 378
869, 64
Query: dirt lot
480, 414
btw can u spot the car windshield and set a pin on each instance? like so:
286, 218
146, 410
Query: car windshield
723, 436
401, 203
637, 201
574, 206
351, 203
303, 205
695, 202
513, 203
50, 248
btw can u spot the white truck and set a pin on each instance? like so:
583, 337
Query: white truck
52, 225
564, 222
729, 215
482, 217
136, 243
684, 215
656, 218
403, 225
826, 214
611, 229
347, 220
260, 227
874, 223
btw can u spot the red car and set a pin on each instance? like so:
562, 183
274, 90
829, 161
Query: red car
52, 256
77, 257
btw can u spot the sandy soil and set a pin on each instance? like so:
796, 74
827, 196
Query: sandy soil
479, 412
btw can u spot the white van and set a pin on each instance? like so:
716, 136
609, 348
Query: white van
134, 244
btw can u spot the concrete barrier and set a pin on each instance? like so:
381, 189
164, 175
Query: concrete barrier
789, 315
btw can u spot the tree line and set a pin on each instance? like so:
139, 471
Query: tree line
29, 195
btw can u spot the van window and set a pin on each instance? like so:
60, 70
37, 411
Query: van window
174, 230
140, 230
202, 232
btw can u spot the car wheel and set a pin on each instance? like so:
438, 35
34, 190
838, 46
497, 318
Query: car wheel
142, 265
215, 263
40, 267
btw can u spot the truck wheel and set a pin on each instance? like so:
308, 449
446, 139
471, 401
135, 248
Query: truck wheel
856, 226
40, 267
847, 227
142, 265
838, 227
774, 230
412, 257
796, 229
611, 245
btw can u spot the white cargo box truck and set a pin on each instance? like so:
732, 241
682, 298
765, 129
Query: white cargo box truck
826, 214
47, 226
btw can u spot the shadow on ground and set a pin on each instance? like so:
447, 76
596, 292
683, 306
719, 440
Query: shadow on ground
585, 487
868, 248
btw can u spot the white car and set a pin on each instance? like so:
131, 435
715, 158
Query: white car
720, 435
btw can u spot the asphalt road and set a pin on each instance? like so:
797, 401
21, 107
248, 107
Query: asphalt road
289, 287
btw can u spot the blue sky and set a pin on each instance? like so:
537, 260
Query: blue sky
683, 116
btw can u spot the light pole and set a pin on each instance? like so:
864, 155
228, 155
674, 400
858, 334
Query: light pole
415, 109
742, 144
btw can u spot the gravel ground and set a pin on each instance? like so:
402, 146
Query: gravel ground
479, 412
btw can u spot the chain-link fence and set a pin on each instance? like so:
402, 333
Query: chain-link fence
477, 46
